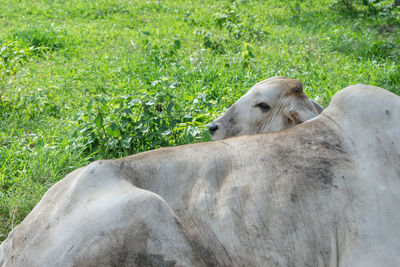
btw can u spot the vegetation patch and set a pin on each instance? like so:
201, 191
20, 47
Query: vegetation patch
42, 38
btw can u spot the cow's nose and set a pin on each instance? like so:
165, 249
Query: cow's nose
212, 128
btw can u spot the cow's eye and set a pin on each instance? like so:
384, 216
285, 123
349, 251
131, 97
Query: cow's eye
263, 106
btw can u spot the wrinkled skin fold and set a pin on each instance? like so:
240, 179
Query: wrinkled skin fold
324, 193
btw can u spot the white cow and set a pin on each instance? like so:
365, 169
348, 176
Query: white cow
272, 105
323, 193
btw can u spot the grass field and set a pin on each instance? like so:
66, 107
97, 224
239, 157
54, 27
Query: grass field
82, 80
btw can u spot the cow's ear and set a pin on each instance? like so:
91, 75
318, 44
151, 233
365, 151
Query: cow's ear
295, 87
317, 107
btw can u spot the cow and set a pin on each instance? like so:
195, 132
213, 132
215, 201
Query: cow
323, 193
272, 105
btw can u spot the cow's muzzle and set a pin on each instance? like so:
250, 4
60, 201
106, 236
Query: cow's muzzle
212, 128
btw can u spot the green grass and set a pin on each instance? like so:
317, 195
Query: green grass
82, 80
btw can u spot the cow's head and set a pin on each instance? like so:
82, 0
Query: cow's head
272, 105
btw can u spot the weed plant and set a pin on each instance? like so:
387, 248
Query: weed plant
82, 80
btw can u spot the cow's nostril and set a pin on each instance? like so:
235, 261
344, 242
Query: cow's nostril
212, 128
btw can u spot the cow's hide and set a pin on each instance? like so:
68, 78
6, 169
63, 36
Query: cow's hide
323, 193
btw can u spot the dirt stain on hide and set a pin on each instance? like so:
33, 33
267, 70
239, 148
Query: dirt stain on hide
307, 158
205, 253
320, 170
153, 260
119, 248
